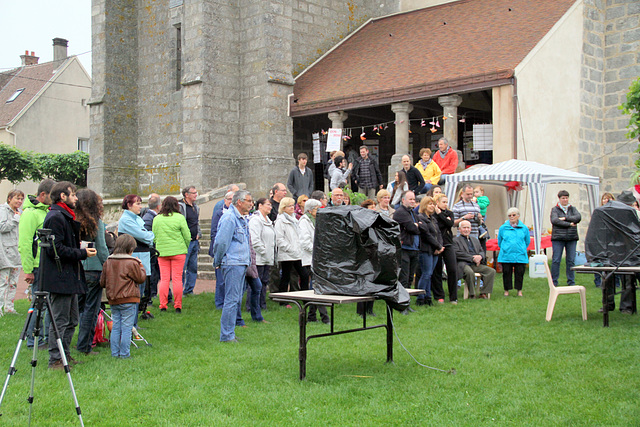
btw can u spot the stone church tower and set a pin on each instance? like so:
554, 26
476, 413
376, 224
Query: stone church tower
195, 91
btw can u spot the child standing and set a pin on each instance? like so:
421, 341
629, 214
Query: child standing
121, 275
484, 202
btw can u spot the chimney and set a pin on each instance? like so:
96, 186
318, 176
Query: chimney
29, 59
60, 49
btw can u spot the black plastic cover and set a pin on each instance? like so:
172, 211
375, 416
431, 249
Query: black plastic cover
356, 251
613, 237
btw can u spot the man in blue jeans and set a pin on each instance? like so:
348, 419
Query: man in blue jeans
232, 255
191, 212
564, 235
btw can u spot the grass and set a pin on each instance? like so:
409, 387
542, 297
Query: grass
513, 368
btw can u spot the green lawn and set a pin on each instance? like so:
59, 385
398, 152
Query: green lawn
513, 368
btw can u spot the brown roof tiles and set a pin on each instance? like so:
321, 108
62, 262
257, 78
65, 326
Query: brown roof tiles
427, 51
32, 78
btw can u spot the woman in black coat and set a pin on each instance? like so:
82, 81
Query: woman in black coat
444, 218
430, 247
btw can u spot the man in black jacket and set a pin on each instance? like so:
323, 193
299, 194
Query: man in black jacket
415, 181
64, 281
409, 237
366, 174
470, 255
564, 236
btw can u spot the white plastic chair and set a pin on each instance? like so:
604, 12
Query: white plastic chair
554, 291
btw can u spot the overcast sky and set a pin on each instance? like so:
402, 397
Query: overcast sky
33, 24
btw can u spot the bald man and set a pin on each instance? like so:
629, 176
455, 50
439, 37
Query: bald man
414, 177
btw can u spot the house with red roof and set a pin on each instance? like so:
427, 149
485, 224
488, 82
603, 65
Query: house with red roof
500, 79
43, 107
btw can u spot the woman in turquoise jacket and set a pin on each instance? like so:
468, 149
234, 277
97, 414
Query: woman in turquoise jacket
172, 238
130, 223
513, 239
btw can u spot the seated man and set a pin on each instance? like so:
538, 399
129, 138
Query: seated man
469, 255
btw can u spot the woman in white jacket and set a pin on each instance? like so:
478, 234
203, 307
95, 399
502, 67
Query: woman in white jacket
263, 240
307, 233
9, 256
289, 248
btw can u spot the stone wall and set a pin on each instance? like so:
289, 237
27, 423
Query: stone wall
621, 67
610, 64
216, 112
114, 114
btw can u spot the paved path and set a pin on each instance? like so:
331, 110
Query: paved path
201, 286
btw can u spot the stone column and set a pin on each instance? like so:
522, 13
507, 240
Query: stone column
402, 110
337, 119
450, 105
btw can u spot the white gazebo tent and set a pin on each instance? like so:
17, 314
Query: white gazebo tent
535, 175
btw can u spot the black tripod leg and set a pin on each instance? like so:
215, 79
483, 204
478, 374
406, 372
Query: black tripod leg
34, 358
64, 360
12, 367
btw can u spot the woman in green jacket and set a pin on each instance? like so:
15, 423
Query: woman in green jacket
172, 238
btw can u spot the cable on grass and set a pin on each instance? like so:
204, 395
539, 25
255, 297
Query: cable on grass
450, 371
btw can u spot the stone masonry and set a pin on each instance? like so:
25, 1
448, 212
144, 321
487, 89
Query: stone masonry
196, 92
610, 59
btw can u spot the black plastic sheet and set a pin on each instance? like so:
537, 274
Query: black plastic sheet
613, 237
356, 252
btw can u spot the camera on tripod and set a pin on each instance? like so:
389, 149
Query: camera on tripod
45, 237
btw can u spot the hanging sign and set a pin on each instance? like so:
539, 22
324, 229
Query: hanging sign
333, 139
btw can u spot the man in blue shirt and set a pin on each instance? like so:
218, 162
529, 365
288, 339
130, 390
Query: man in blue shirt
232, 255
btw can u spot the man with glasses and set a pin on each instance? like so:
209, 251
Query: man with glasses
191, 212
215, 219
232, 256
337, 197
279, 191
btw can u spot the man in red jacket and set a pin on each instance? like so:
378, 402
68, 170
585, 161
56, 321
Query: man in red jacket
446, 158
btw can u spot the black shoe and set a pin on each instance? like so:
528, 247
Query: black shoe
178, 310
371, 313
428, 302
163, 309
326, 321
312, 319
420, 302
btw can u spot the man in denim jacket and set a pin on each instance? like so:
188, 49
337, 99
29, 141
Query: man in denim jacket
231, 254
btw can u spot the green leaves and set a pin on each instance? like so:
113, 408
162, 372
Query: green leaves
17, 166
632, 108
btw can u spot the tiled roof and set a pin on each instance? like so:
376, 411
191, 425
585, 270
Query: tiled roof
425, 53
32, 78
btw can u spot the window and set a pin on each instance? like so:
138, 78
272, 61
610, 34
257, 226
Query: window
178, 57
15, 95
83, 144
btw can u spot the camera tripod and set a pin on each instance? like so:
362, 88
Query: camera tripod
40, 301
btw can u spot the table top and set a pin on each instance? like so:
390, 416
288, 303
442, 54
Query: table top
333, 299
595, 269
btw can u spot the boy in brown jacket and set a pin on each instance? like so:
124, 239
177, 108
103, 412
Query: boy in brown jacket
121, 275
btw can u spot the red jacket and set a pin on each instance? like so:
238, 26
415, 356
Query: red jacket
449, 164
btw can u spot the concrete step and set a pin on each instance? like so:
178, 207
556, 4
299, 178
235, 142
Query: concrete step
207, 275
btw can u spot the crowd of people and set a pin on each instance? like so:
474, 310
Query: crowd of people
255, 245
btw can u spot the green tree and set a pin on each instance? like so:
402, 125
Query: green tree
70, 167
17, 165
632, 108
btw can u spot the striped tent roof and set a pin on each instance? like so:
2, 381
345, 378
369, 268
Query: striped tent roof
535, 175
523, 171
